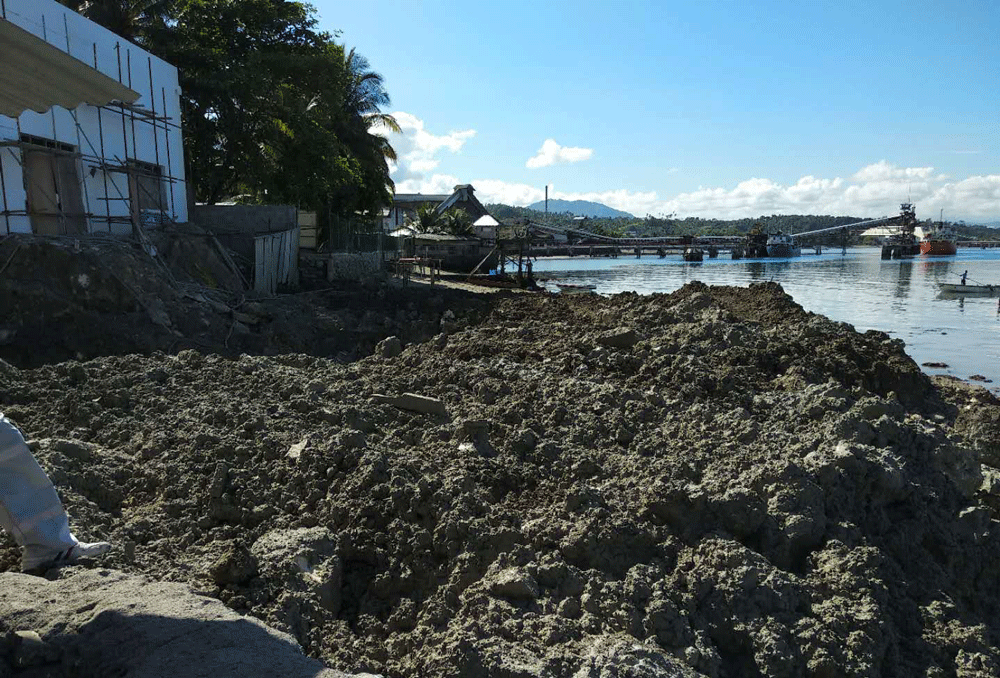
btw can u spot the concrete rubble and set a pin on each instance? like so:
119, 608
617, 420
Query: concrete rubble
708, 483
94, 624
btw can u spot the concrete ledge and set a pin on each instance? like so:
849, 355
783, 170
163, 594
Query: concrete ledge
100, 623
341, 266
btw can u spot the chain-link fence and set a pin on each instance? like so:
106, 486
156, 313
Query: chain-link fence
360, 235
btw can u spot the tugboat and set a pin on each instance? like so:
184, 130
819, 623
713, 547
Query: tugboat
939, 241
781, 245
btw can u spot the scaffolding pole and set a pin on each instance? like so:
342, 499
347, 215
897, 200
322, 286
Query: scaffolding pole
170, 166
100, 131
3, 192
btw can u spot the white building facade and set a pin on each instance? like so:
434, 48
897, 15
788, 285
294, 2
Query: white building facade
90, 128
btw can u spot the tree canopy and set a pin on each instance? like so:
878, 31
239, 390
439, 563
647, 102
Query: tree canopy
275, 110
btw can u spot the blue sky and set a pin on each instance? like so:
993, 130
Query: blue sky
704, 108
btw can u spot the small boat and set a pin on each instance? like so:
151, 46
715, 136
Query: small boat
782, 245
566, 288
958, 288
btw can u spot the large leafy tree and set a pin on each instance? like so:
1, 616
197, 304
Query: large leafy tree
128, 18
275, 110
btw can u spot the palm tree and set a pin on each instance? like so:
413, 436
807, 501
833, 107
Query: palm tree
365, 123
127, 18
366, 96
456, 222
428, 220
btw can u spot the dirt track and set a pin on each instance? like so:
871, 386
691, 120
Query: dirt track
712, 482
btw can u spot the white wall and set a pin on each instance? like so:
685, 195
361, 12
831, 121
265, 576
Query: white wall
88, 42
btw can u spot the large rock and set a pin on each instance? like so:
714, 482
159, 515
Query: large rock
102, 623
414, 403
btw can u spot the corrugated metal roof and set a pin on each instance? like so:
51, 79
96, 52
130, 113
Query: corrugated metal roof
417, 197
37, 76
445, 237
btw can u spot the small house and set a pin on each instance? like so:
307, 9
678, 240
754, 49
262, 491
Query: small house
405, 205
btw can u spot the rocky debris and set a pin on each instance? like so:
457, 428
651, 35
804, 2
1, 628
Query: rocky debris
750, 490
101, 623
77, 299
514, 584
474, 435
620, 338
390, 347
414, 403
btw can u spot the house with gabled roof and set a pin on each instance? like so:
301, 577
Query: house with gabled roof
405, 205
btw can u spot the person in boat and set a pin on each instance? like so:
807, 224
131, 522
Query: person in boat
964, 276
30, 509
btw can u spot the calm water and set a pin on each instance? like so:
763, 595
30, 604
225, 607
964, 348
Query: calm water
900, 298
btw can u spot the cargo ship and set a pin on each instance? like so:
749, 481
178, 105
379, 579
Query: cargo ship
939, 241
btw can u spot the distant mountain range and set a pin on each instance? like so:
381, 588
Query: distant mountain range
581, 208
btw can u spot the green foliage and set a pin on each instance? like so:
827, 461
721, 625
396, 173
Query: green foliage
456, 222
428, 220
657, 226
131, 19
274, 109
451, 222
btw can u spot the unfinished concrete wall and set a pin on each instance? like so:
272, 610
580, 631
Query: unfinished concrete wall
354, 266
254, 219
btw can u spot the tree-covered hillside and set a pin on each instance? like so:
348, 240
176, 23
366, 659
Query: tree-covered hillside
657, 226
581, 208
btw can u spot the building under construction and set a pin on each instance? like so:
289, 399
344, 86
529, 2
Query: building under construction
90, 128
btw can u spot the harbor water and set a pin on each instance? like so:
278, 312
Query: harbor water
899, 297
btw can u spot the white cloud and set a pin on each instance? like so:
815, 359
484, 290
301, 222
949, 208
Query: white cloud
883, 171
552, 153
875, 190
418, 149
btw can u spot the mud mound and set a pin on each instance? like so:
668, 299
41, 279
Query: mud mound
712, 483
66, 299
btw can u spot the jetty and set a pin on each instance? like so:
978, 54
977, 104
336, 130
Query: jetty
537, 239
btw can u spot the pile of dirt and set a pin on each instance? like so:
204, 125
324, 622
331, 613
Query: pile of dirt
712, 482
67, 299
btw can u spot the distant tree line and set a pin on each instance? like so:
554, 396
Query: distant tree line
275, 110
662, 226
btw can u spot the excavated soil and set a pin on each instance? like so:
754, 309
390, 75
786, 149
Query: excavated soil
712, 482
66, 299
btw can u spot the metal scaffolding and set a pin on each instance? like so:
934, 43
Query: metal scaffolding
94, 157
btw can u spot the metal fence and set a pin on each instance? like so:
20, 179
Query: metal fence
356, 235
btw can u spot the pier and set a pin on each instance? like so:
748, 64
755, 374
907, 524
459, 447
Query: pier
900, 241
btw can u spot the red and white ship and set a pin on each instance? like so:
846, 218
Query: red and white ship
939, 241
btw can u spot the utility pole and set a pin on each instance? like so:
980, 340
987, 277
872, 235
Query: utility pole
546, 199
